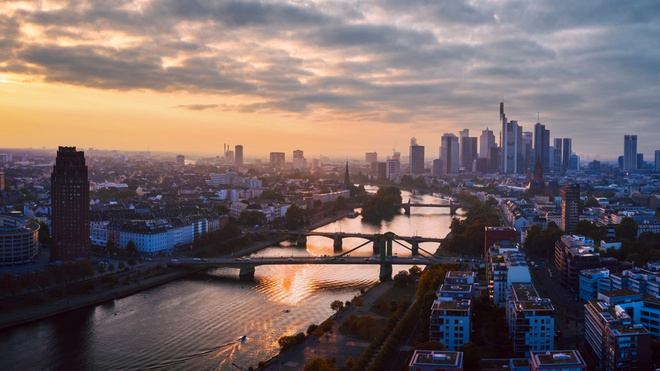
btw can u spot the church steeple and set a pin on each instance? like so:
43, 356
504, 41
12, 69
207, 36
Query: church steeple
347, 179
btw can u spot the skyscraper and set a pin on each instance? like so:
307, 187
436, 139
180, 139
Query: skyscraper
70, 206
371, 157
570, 197
557, 155
277, 159
566, 155
510, 143
630, 152
527, 152
180, 159
468, 149
486, 141
299, 160
542, 145
449, 153
416, 158
238, 155
657, 160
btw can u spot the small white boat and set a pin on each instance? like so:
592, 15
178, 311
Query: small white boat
243, 339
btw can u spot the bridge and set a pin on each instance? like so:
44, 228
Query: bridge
383, 243
338, 237
453, 206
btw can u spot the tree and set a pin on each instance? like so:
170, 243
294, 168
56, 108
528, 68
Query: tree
84, 269
588, 229
28, 281
295, 217
337, 305
101, 269
402, 279
45, 279
131, 261
131, 248
626, 229
8, 284
320, 364
431, 345
44, 236
111, 248
252, 218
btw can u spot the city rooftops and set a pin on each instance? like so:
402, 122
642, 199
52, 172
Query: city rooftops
590, 273
455, 288
430, 358
554, 358
527, 298
451, 304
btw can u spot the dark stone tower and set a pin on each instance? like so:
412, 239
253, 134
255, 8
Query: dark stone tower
70, 204
347, 179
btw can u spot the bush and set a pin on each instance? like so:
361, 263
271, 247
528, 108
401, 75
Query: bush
312, 328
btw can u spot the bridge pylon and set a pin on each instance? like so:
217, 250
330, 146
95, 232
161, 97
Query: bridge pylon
301, 241
246, 273
385, 272
379, 244
338, 243
414, 247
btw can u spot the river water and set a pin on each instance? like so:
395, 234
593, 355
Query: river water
195, 323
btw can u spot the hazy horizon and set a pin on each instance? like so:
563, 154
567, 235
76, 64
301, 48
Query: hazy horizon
331, 78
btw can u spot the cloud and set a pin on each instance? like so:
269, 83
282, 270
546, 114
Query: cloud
416, 62
197, 107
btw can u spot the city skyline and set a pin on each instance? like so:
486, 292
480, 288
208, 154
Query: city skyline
331, 79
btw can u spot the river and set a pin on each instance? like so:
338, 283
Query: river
195, 323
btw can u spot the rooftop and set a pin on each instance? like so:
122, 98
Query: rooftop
436, 357
557, 357
454, 304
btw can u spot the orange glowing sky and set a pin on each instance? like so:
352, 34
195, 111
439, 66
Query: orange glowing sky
336, 78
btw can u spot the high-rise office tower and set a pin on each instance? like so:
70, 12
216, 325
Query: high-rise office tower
557, 155
640, 161
570, 198
657, 160
180, 160
449, 153
238, 155
229, 157
542, 145
486, 141
371, 157
510, 143
416, 158
277, 159
70, 206
299, 160
468, 149
527, 151
630, 152
437, 168
566, 154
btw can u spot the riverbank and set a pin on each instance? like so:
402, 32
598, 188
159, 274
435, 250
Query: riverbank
37, 312
72, 302
333, 343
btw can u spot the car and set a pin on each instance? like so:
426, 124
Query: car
416, 259
318, 259
205, 260
197, 259
238, 259
246, 259
290, 259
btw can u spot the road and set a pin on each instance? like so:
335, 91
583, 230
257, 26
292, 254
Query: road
568, 310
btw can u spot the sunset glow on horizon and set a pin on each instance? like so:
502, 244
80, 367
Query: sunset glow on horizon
336, 78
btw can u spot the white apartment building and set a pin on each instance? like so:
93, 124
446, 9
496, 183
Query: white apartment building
531, 325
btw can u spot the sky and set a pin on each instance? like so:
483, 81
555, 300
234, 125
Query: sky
334, 78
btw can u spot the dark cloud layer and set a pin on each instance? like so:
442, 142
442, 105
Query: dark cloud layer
415, 62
